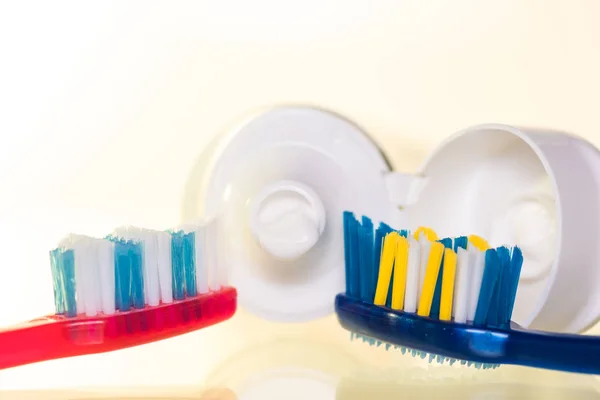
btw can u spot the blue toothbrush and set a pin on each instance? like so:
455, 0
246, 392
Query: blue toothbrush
451, 300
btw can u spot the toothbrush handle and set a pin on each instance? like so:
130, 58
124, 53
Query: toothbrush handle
563, 352
38, 340
572, 353
53, 337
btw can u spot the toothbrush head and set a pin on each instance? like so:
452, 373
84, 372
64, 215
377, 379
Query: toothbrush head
132, 287
401, 285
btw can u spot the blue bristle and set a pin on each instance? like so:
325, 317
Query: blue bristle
359, 245
137, 274
189, 263
447, 242
366, 259
56, 268
491, 274
437, 294
431, 357
460, 242
388, 300
122, 276
354, 258
347, 220
516, 263
118, 296
380, 234
499, 315
67, 265
177, 268
493, 315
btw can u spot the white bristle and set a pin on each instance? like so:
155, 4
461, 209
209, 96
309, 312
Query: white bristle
212, 248
201, 260
94, 267
87, 289
222, 271
425, 245
127, 233
82, 278
220, 256
106, 275
91, 289
79, 262
151, 286
165, 277
477, 261
461, 288
412, 275
96, 278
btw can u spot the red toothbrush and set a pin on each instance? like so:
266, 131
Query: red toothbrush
136, 287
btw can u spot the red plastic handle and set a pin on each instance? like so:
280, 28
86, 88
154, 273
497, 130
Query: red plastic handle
55, 337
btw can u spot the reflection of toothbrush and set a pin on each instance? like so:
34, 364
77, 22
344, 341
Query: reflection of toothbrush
134, 287
451, 297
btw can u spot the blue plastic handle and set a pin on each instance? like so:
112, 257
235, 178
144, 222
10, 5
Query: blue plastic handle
517, 346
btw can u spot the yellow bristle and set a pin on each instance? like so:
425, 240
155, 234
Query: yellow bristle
479, 242
386, 265
400, 270
431, 274
448, 285
428, 232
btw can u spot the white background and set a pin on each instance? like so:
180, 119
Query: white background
105, 107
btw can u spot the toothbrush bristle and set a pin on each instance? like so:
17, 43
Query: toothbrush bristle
459, 280
134, 268
431, 358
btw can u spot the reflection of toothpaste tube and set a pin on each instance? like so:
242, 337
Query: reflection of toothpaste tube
284, 369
